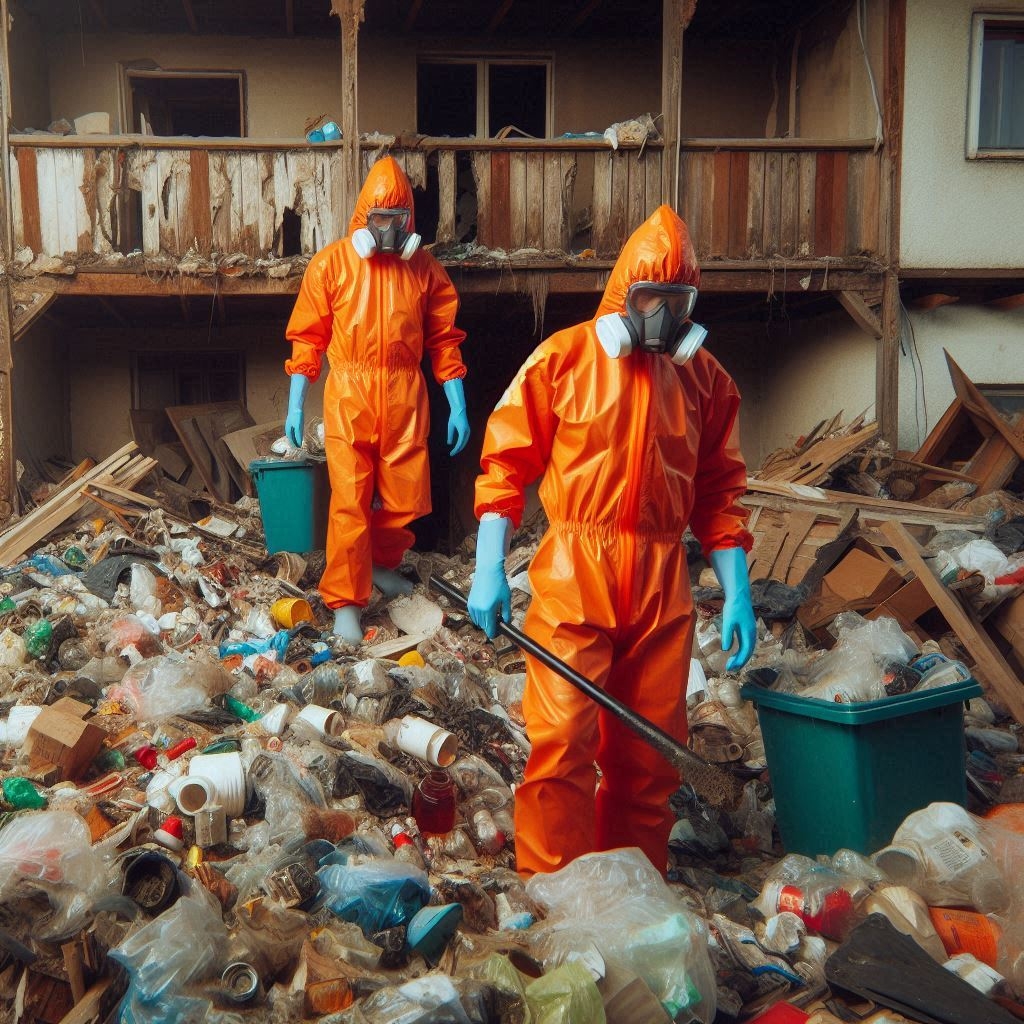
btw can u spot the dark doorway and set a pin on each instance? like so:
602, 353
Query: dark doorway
446, 99
188, 104
517, 94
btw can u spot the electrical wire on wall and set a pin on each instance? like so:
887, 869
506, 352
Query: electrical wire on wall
862, 8
908, 346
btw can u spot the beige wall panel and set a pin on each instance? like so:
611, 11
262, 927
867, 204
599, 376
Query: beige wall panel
30, 90
954, 212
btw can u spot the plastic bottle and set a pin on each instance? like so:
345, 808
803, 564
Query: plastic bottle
433, 804
38, 637
405, 847
489, 838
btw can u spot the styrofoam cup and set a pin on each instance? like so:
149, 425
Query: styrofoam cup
425, 740
191, 793
19, 721
225, 775
325, 721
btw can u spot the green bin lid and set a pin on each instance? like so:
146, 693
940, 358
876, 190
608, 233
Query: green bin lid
867, 711
262, 465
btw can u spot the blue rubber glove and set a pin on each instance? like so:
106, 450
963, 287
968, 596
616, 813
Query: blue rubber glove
490, 591
296, 399
458, 423
738, 624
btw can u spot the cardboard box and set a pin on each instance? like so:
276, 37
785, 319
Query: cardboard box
861, 580
628, 999
60, 736
906, 606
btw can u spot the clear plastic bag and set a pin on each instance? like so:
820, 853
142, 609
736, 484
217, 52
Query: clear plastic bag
618, 902
566, 995
185, 944
163, 686
432, 999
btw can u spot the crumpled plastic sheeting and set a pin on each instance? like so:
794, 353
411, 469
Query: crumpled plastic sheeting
618, 901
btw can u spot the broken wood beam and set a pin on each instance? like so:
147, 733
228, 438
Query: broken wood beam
993, 666
860, 312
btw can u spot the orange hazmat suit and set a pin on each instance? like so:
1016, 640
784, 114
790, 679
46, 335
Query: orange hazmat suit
631, 451
374, 318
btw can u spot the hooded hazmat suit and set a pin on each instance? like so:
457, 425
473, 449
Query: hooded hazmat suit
631, 452
373, 318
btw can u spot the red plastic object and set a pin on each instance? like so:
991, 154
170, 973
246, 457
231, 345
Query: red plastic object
146, 756
782, 1013
433, 804
179, 748
832, 920
170, 833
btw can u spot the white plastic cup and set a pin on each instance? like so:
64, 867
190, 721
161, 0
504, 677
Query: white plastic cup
158, 792
225, 775
18, 723
326, 721
191, 793
275, 721
423, 739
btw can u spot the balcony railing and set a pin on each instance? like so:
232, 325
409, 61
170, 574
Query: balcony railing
96, 199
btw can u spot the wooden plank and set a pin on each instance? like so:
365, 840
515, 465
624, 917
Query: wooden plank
482, 177
28, 185
446, 195
807, 163
823, 204
69, 166
739, 172
104, 201
535, 199
87, 207
790, 218
553, 212
199, 200
855, 202
239, 171
994, 669
267, 215
618, 221
755, 206
146, 173
772, 204
636, 193
653, 160
720, 205
568, 167
840, 170
518, 199
871, 207
675, 17
689, 195
861, 313
167, 203
501, 227
49, 203
284, 198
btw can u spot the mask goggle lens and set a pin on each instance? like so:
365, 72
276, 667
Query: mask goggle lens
646, 296
384, 220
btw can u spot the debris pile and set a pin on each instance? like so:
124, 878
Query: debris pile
213, 810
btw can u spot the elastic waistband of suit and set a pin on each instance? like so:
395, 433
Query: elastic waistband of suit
614, 531
369, 367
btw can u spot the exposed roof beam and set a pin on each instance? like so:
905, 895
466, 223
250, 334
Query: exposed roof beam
190, 17
410, 18
499, 15
585, 12
100, 14
289, 17
861, 313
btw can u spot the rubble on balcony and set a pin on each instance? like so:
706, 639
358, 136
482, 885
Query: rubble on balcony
214, 810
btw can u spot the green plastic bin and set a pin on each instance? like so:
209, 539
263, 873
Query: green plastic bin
846, 775
295, 496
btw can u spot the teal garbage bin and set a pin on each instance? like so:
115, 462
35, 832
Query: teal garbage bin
844, 776
295, 497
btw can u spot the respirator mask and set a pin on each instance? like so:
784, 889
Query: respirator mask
656, 321
386, 232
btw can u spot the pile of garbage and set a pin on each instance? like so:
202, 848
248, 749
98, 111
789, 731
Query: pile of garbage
214, 810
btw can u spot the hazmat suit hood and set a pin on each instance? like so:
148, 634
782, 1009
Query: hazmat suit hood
659, 250
386, 188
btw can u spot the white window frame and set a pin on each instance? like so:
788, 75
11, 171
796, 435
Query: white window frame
973, 151
483, 64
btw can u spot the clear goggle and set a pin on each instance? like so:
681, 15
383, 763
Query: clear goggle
646, 296
385, 220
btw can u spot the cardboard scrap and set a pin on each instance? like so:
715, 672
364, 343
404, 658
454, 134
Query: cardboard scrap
61, 737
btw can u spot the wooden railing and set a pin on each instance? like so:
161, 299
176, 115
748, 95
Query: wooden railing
99, 197
789, 198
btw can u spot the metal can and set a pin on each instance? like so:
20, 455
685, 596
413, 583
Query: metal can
241, 983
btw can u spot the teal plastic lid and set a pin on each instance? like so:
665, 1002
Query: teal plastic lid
262, 465
864, 711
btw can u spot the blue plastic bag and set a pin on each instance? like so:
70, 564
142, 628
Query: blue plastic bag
376, 894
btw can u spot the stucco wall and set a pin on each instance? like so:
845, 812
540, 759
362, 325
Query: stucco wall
954, 212
986, 343
100, 391
39, 394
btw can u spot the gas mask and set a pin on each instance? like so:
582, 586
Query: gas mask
656, 321
386, 232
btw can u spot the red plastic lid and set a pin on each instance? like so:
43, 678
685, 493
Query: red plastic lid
172, 826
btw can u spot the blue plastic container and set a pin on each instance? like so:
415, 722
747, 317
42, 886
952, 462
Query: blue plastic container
295, 497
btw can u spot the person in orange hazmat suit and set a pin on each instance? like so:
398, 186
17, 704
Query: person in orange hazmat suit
373, 302
633, 427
